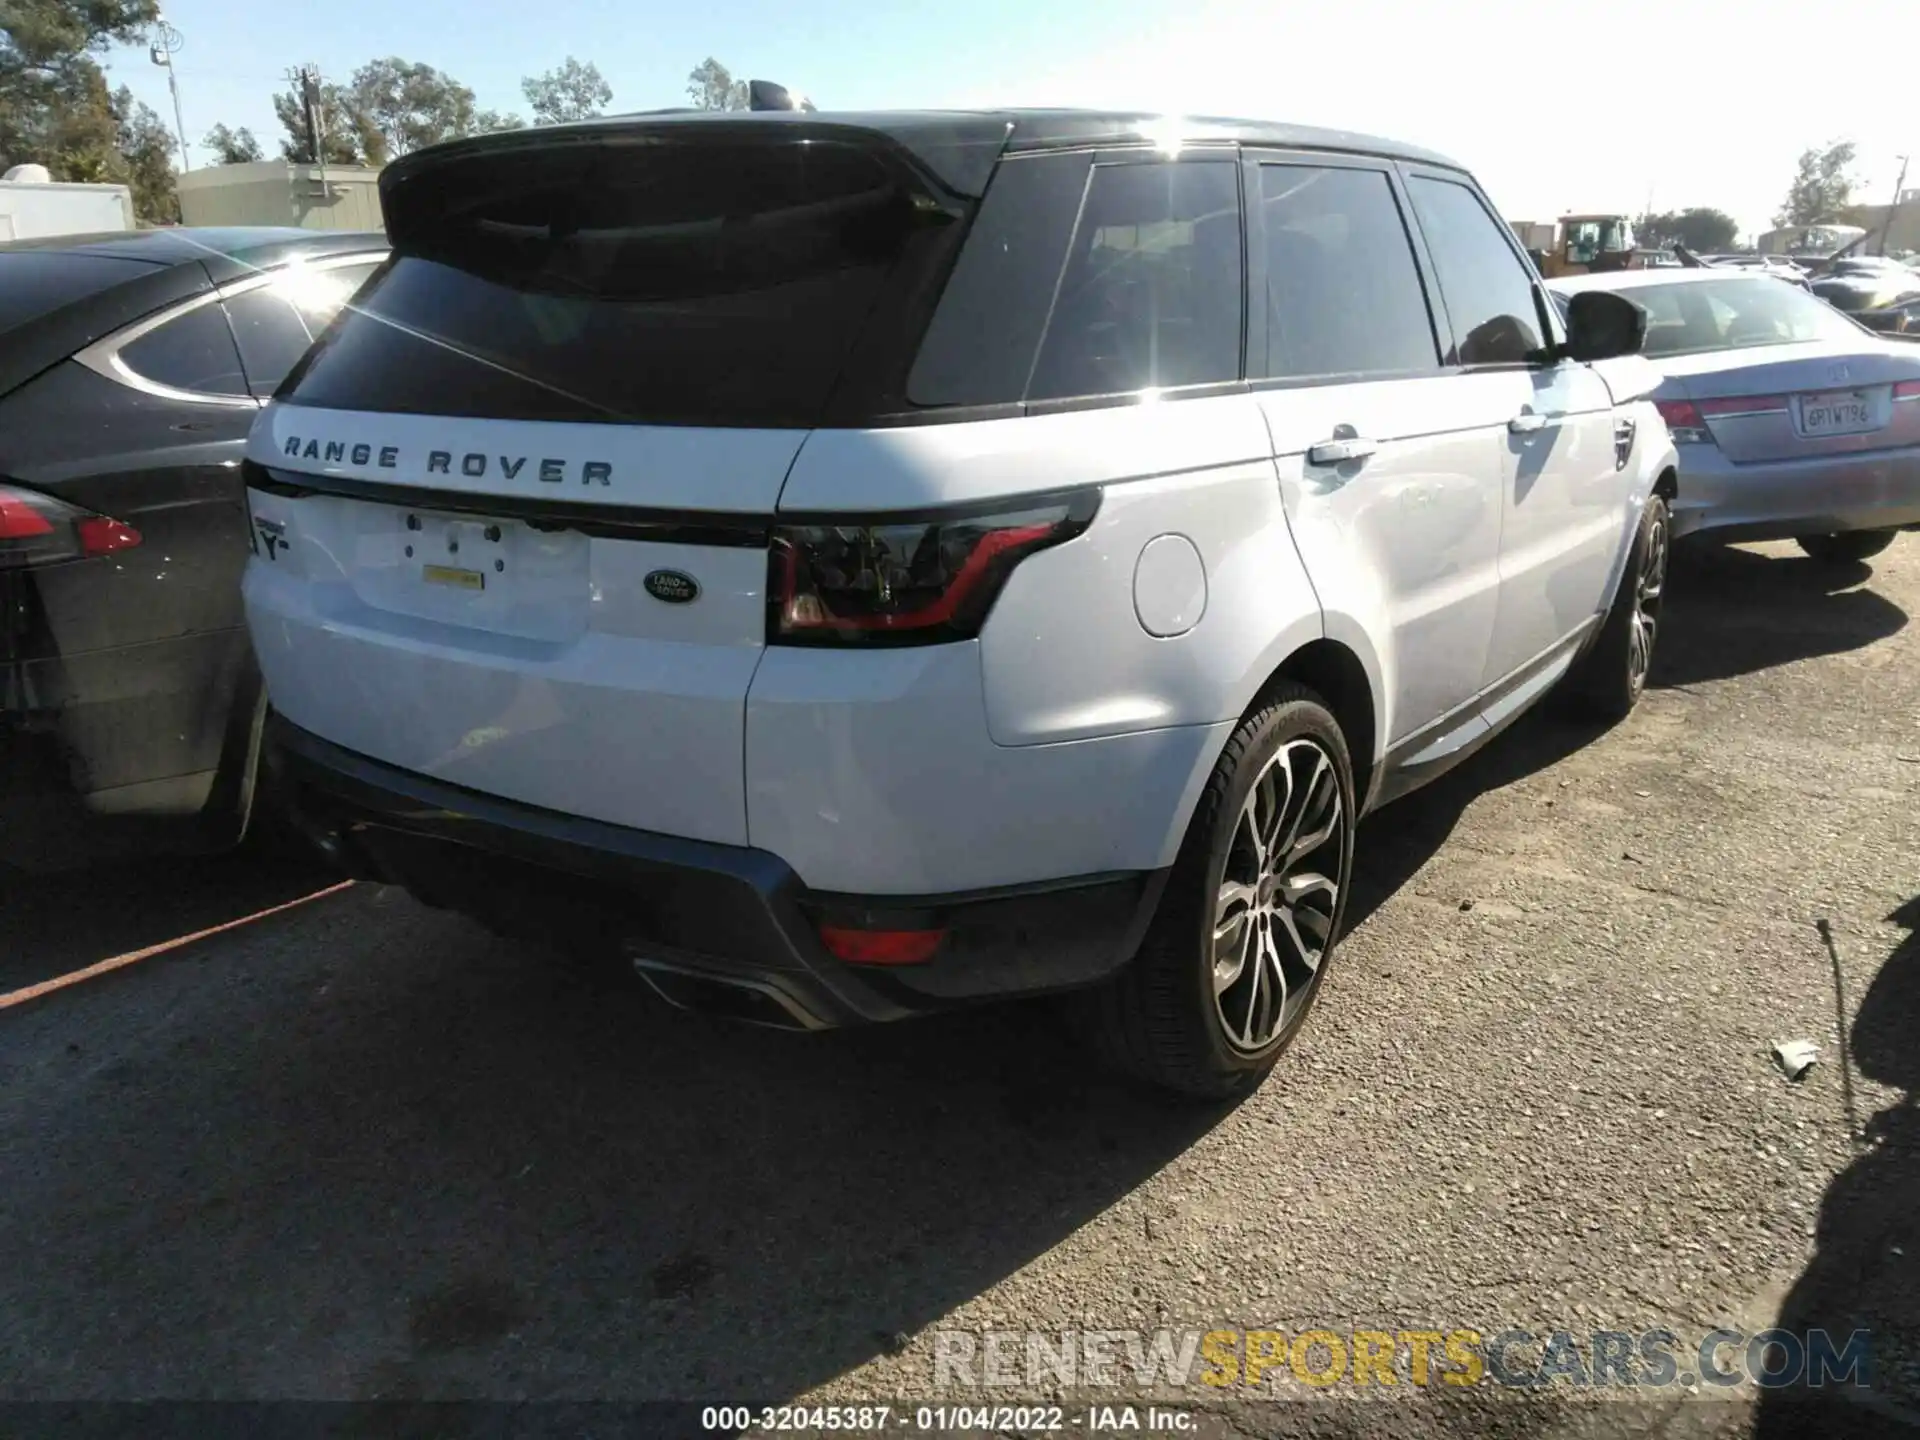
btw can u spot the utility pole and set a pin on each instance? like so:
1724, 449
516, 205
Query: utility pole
167, 43
1893, 209
306, 85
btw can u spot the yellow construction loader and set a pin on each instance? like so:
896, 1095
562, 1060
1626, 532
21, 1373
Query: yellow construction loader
1589, 244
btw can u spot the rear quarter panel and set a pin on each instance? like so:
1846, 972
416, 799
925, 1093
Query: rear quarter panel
137, 658
1065, 654
1067, 740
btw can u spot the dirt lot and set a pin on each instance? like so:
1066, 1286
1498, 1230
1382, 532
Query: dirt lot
358, 1149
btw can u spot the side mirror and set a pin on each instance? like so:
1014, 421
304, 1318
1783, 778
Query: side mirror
1601, 325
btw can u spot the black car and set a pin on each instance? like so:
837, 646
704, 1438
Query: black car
1900, 318
1856, 284
131, 367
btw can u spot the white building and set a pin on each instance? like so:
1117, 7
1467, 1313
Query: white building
278, 192
33, 206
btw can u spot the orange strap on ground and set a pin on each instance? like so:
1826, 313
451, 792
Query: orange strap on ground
134, 957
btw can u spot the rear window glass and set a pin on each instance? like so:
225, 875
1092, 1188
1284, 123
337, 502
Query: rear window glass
1151, 294
979, 349
1692, 319
694, 283
38, 282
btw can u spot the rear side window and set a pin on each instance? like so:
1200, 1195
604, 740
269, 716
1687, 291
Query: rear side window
1343, 294
276, 322
1150, 298
1488, 292
722, 282
979, 348
193, 351
38, 282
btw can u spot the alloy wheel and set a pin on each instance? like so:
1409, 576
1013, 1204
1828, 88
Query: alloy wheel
1646, 605
1279, 894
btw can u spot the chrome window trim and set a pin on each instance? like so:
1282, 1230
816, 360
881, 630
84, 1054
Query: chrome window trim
103, 355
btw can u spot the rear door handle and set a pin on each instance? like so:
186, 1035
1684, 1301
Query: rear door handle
1527, 423
1333, 452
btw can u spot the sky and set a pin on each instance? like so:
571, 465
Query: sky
1556, 107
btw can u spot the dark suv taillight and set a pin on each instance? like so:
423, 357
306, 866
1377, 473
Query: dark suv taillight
907, 581
38, 529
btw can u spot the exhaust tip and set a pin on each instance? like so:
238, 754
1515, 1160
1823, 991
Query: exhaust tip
741, 1000
333, 847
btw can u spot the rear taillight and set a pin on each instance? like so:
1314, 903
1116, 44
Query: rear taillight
1684, 421
1907, 390
885, 581
37, 529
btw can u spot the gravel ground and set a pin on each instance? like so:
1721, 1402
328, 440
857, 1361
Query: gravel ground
361, 1150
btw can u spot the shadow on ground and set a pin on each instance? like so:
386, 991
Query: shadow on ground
1865, 1272
1732, 611
1729, 612
426, 1164
52, 924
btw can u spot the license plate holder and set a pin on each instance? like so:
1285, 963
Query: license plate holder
1839, 412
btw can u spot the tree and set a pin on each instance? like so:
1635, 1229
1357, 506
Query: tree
386, 108
145, 147
402, 106
1822, 186
1699, 228
571, 91
54, 105
711, 87
488, 121
232, 147
408, 105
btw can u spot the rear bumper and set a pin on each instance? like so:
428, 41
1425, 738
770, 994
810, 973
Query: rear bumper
693, 913
1777, 500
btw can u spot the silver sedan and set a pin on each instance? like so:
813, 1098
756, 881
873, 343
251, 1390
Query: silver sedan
1792, 421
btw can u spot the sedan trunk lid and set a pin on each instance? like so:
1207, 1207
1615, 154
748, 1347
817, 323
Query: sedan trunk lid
1795, 401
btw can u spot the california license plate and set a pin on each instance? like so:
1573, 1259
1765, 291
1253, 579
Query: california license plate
1838, 412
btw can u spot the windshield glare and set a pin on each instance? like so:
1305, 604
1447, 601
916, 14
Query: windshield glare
1733, 314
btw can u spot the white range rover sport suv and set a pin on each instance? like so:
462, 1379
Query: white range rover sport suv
857, 565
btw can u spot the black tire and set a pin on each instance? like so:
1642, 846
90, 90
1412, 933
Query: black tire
1609, 679
1849, 547
1159, 1019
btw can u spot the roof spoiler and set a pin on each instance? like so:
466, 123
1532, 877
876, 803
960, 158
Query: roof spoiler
765, 95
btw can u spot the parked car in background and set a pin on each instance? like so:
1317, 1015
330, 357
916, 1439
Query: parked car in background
131, 366
1901, 318
882, 562
1792, 422
1866, 283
